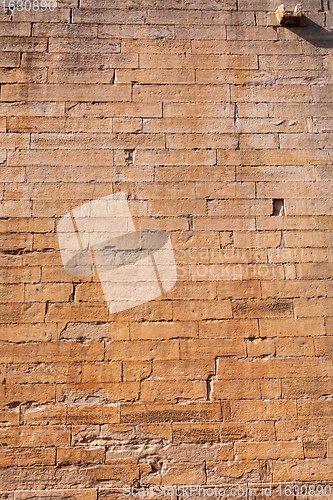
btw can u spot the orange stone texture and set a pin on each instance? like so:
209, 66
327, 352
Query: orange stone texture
203, 112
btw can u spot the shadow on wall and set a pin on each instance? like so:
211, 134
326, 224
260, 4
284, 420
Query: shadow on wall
313, 33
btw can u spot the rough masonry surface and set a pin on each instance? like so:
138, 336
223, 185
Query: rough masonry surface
203, 113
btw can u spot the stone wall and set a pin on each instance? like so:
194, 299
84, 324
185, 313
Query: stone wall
216, 124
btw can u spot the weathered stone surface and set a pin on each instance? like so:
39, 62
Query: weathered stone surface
207, 115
